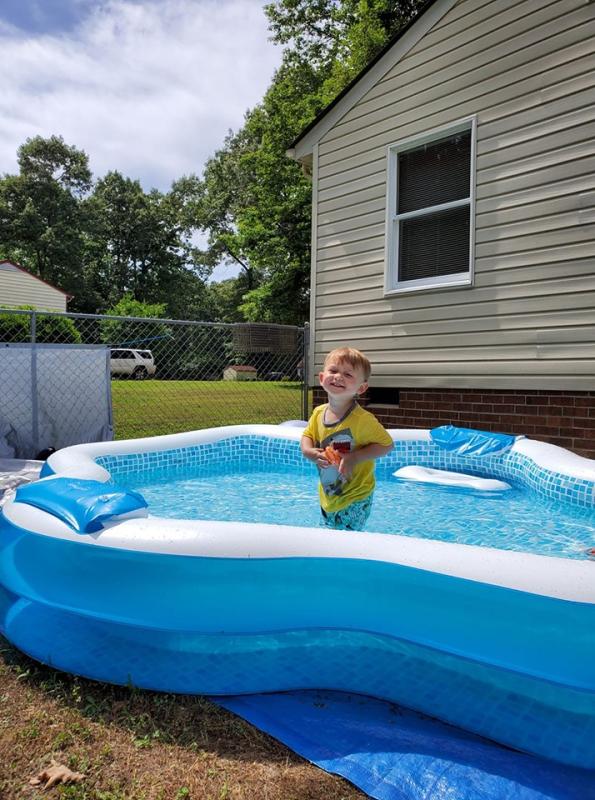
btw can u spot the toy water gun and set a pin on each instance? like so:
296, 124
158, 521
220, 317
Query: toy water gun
332, 456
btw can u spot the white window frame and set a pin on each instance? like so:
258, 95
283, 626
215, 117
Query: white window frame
392, 284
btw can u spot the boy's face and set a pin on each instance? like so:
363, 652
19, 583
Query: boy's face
341, 379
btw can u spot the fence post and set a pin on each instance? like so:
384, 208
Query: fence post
305, 371
34, 396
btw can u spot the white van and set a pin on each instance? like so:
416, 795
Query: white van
137, 364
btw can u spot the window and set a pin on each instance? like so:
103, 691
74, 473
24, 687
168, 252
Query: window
430, 205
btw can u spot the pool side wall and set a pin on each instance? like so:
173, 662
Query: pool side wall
510, 665
484, 653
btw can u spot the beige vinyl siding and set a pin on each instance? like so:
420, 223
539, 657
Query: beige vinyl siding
18, 288
526, 71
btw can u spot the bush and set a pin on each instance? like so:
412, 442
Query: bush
48, 328
15, 328
57, 330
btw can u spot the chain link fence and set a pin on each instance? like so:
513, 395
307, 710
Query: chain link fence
143, 377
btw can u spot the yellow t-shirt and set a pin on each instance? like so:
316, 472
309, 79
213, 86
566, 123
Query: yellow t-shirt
358, 429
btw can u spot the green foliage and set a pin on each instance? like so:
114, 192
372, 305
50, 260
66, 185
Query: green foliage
226, 297
49, 329
254, 202
130, 307
52, 160
99, 242
285, 295
57, 329
15, 328
140, 244
41, 225
196, 353
340, 36
131, 333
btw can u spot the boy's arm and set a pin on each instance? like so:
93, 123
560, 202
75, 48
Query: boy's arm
367, 453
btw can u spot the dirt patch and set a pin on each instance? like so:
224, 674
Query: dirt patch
137, 745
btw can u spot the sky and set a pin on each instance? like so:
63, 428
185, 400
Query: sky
147, 87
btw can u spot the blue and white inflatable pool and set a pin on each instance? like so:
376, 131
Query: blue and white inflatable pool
497, 641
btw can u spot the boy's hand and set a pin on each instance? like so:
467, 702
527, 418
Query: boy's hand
347, 464
321, 459
317, 455
367, 453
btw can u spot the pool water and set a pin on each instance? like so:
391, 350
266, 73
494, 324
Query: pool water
518, 519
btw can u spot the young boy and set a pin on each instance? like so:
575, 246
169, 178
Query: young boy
343, 440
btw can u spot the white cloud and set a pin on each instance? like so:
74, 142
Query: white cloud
150, 88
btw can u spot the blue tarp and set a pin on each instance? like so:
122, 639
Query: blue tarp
391, 753
82, 504
469, 442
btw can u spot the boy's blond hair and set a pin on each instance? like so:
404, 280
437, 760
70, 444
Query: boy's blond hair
351, 356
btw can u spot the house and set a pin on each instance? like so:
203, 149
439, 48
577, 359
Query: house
20, 288
454, 220
240, 372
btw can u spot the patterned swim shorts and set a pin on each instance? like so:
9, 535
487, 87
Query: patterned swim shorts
352, 518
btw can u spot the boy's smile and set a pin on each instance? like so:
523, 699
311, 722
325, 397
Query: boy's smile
340, 379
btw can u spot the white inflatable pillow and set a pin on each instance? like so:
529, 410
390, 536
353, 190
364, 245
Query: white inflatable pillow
441, 477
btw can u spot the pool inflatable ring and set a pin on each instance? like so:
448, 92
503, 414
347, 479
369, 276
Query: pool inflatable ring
442, 477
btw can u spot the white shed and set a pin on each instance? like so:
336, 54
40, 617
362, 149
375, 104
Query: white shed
240, 372
20, 288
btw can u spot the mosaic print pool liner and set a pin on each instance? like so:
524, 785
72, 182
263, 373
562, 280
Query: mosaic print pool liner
258, 452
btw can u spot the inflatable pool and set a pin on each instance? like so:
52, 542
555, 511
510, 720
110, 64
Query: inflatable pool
498, 641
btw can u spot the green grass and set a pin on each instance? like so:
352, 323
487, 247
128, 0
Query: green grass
152, 408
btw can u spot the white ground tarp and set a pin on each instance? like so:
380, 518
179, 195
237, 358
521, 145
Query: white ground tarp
53, 396
15, 472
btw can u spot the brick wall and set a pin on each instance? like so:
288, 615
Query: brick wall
563, 418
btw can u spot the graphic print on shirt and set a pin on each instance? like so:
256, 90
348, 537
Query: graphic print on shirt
330, 478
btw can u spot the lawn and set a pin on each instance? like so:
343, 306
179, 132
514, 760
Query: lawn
135, 745
151, 408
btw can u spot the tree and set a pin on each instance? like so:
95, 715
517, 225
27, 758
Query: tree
41, 225
99, 246
340, 36
225, 298
46, 160
253, 201
140, 245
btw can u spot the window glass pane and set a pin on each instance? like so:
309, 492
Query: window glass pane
434, 173
434, 245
